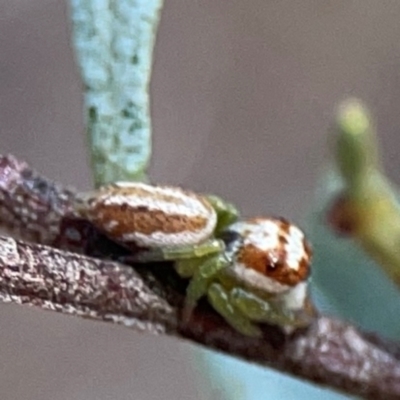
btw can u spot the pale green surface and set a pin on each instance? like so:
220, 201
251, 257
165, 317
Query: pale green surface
233, 379
114, 43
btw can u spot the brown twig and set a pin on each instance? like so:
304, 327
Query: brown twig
330, 352
31, 206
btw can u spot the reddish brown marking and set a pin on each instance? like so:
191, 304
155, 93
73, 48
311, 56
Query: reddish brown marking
284, 225
273, 264
142, 220
340, 216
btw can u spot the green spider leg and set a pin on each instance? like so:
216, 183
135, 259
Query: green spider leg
203, 273
260, 310
198, 251
240, 308
237, 306
220, 299
227, 213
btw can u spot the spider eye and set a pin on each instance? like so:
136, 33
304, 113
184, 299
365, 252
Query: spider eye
272, 267
275, 261
230, 237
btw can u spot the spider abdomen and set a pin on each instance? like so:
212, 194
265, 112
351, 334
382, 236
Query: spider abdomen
149, 216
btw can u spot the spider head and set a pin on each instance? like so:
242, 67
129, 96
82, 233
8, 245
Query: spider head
270, 254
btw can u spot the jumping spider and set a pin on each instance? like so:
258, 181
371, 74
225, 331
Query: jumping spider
251, 271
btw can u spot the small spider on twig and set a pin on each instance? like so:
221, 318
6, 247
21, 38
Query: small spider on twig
46, 274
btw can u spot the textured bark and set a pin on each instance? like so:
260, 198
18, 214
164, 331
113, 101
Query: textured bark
330, 352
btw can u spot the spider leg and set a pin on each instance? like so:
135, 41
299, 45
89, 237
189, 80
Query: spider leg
202, 277
227, 213
187, 268
220, 299
207, 248
260, 310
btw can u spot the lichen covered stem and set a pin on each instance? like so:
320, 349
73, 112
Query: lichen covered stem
370, 205
114, 43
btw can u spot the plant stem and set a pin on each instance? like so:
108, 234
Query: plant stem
114, 43
370, 205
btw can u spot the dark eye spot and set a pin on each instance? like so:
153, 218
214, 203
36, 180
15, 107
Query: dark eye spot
274, 267
270, 267
124, 207
229, 237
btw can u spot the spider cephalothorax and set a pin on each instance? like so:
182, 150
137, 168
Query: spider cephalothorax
265, 275
251, 271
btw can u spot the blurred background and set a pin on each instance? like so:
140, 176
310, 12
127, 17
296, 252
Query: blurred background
242, 98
